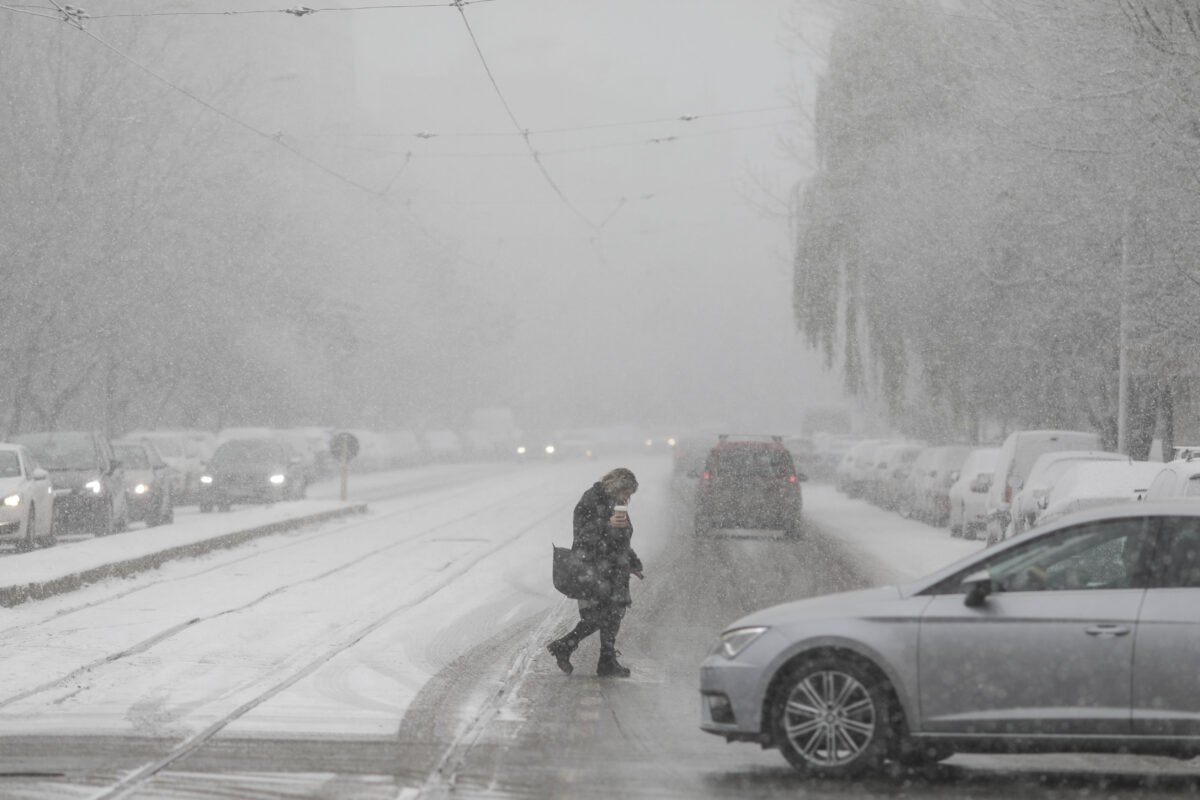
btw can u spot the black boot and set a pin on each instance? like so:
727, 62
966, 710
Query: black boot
561, 649
609, 667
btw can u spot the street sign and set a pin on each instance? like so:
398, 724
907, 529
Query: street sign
344, 446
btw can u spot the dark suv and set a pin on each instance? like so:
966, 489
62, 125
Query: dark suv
749, 482
89, 484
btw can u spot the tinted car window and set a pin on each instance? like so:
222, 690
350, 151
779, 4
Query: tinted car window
10, 465
1098, 555
750, 463
63, 451
1180, 559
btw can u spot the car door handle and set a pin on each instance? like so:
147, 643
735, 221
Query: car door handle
1106, 630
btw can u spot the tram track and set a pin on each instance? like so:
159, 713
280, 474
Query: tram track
171, 631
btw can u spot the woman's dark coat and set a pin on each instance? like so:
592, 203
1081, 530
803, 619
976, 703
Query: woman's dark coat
605, 547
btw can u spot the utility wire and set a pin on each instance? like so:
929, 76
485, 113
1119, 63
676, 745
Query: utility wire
523, 131
427, 134
296, 11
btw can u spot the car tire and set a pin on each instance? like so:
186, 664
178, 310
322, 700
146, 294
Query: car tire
107, 524
832, 717
24, 545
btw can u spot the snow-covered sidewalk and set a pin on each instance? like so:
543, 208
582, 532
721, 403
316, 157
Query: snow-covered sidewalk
41, 573
892, 549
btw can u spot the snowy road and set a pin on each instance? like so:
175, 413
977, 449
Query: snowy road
399, 655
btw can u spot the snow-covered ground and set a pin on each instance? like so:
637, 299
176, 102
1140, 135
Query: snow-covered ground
335, 628
891, 549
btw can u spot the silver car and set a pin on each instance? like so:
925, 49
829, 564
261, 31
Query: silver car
1084, 635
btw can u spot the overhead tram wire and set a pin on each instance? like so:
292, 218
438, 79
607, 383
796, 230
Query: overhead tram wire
295, 11
75, 18
459, 4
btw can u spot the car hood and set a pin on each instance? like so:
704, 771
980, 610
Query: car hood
843, 604
10, 485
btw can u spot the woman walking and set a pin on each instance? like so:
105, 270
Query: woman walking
602, 534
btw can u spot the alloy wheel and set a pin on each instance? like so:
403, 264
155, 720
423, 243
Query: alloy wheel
829, 718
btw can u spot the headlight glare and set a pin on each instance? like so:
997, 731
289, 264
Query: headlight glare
141, 488
13, 500
735, 641
95, 486
206, 478
277, 479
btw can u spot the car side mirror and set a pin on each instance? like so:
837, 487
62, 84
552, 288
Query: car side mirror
39, 474
978, 586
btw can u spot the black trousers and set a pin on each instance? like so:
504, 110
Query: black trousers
598, 615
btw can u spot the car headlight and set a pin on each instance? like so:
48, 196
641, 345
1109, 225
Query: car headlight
13, 500
206, 478
549, 449
277, 479
735, 641
141, 488
95, 486
521, 450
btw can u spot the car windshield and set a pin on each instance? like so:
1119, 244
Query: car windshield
248, 450
10, 465
132, 456
62, 451
168, 446
750, 462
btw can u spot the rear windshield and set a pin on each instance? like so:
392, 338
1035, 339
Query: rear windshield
750, 463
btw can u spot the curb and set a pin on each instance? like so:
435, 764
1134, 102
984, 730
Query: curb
15, 595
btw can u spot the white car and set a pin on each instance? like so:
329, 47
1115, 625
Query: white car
1044, 473
1017, 455
1091, 484
1178, 479
968, 495
26, 500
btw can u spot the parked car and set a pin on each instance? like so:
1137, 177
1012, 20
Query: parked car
968, 494
1045, 472
858, 466
932, 474
1025, 646
885, 486
1178, 479
89, 484
749, 482
26, 500
254, 470
1091, 484
1016, 457
148, 482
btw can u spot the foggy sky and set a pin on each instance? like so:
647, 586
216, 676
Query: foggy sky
658, 290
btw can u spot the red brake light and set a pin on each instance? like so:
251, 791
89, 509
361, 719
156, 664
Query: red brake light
706, 476
792, 478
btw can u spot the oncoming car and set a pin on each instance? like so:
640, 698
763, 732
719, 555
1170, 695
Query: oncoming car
1075, 636
255, 470
26, 500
